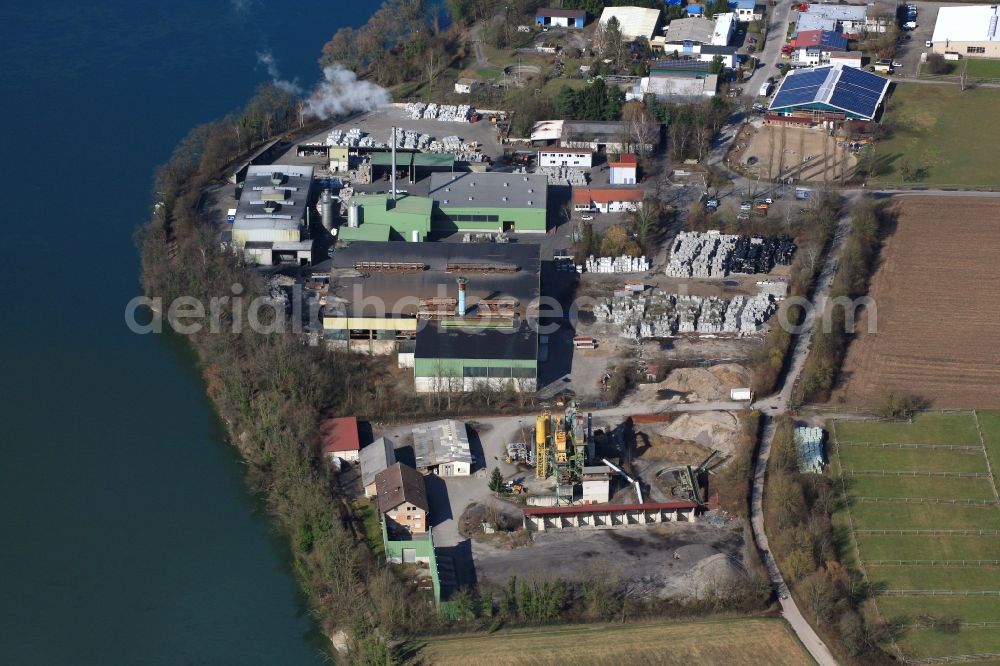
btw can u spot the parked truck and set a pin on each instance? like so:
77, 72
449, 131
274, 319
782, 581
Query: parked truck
765, 89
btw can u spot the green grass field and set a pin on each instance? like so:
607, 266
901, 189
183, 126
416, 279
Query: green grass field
926, 428
923, 643
731, 642
888, 516
916, 486
937, 578
982, 69
989, 422
966, 609
924, 547
912, 460
939, 129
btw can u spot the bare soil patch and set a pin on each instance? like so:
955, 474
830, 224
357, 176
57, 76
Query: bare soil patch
937, 291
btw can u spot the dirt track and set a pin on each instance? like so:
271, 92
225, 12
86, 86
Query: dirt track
937, 292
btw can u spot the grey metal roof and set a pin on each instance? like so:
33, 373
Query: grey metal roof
492, 189
397, 291
839, 12
375, 457
441, 442
519, 344
694, 29
295, 184
589, 130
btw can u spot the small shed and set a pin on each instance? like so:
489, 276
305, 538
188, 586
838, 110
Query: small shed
623, 171
563, 18
339, 438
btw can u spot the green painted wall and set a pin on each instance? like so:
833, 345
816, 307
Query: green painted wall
524, 219
454, 367
422, 547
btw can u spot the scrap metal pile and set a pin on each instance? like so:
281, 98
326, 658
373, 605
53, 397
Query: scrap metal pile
622, 264
408, 140
711, 254
664, 315
560, 175
443, 112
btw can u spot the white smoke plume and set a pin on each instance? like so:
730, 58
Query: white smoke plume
267, 59
342, 93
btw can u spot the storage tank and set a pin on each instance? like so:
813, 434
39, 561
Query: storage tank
352, 216
326, 210
541, 429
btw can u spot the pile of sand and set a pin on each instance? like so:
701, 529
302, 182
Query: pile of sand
705, 384
713, 430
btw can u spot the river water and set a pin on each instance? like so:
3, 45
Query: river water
128, 534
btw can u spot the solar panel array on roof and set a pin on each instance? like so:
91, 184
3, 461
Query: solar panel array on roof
800, 87
858, 91
848, 89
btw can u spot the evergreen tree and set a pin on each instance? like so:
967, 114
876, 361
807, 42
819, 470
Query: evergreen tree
496, 481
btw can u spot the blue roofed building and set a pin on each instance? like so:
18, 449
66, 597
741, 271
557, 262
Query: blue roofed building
746, 10
831, 92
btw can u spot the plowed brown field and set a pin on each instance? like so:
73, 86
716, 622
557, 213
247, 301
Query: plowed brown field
937, 291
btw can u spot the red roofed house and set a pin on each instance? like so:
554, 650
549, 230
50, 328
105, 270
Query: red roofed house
623, 172
606, 201
339, 438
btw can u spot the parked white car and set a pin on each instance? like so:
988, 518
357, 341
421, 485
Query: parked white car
587, 218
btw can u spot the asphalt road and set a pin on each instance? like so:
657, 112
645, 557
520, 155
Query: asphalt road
777, 27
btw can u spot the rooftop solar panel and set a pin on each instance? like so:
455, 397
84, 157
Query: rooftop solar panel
847, 88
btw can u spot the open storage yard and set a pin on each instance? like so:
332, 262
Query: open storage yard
733, 642
939, 133
936, 291
923, 514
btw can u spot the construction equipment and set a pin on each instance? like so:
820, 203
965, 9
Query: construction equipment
542, 445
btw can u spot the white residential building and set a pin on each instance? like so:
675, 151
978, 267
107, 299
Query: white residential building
555, 156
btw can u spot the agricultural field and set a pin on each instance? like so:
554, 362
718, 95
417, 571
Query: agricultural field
938, 137
929, 543
933, 329
731, 642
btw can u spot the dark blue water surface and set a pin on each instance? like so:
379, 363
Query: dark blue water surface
128, 536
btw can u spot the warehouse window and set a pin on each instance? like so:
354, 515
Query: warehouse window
502, 373
474, 371
524, 373
975, 49
475, 218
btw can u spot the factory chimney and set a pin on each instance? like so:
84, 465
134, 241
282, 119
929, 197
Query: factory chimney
326, 210
393, 163
461, 296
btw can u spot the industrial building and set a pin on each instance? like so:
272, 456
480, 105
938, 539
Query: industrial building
832, 92
849, 19
595, 484
635, 22
668, 87
457, 312
600, 136
442, 448
554, 156
491, 201
683, 34
606, 200
401, 496
271, 224
563, 18
477, 202
971, 31
377, 456
339, 439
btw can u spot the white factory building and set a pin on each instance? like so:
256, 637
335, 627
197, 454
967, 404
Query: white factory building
442, 448
555, 156
971, 32
271, 224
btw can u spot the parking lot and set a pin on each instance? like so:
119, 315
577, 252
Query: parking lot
913, 44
